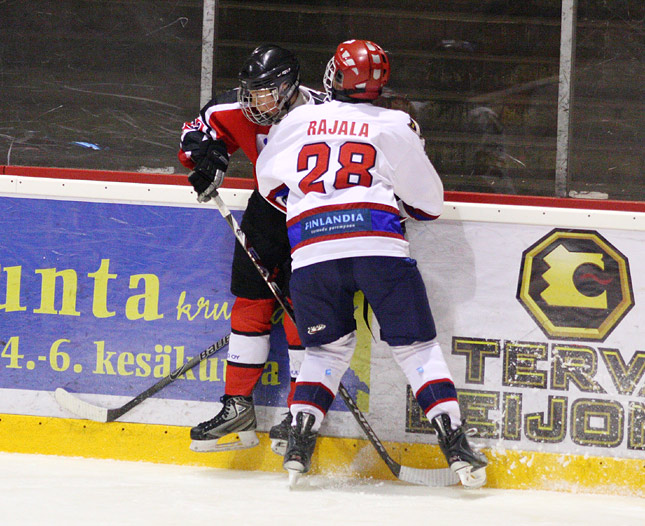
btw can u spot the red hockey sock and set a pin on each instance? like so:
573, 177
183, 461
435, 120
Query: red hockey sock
241, 378
292, 389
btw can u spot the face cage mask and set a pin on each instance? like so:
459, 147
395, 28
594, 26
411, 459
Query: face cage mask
328, 78
270, 96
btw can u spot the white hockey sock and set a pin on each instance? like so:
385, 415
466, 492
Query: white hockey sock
423, 362
327, 364
248, 349
296, 356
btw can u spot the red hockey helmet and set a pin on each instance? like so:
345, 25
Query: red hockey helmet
358, 70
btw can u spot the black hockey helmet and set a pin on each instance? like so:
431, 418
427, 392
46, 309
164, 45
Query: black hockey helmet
268, 81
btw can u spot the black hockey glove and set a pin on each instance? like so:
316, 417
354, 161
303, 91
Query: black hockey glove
211, 162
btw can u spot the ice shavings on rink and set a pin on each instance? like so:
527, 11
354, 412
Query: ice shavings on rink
48, 490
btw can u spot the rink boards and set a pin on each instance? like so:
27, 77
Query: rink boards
106, 286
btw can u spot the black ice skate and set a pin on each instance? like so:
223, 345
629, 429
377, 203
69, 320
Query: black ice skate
236, 416
279, 435
300, 447
470, 465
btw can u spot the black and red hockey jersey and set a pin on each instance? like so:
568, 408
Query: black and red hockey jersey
222, 120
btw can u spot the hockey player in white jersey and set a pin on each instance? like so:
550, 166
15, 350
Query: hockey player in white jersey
338, 169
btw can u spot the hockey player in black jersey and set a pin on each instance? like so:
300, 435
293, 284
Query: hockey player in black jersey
269, 86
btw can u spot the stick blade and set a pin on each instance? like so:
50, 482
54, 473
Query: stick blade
429, 477
75, 405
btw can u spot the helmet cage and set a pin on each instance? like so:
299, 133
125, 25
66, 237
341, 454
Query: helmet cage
266, 99
328, 78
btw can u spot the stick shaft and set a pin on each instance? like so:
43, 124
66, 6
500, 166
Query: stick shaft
92, 412
113, 414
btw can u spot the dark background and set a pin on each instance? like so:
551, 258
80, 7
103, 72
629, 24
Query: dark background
98, 84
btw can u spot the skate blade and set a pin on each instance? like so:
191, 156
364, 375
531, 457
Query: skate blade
294, 477
246, 440
295, 468
279, 446
471, 479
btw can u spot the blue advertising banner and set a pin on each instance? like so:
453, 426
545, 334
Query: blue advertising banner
106, 298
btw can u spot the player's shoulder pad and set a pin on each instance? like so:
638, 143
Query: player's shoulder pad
226, 97
414, 126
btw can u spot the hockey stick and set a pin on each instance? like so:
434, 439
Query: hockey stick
425, 477
89, 411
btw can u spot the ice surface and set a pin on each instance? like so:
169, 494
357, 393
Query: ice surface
48, 490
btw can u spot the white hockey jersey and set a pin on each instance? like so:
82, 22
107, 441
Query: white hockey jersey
337, 169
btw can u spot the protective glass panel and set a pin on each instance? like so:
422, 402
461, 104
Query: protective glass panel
607, 155
100, 84
97, 84
481, 78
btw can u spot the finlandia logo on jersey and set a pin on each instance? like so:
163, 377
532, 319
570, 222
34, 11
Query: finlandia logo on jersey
575, 285
337, 221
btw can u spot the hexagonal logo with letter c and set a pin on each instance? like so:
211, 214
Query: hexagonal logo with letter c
575, 285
